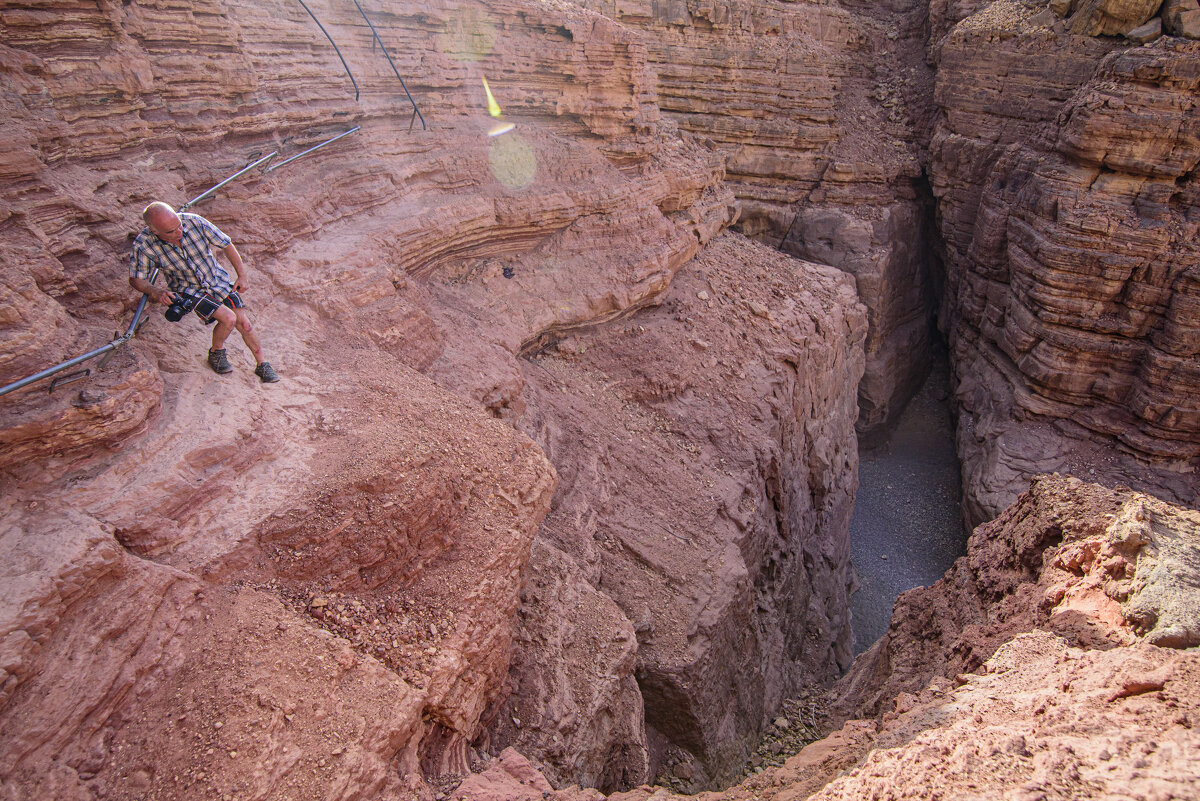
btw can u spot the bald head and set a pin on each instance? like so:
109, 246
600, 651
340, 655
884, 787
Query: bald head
163, 221
157, 211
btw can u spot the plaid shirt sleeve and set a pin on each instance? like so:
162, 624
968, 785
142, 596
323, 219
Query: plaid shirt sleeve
214, 235
141, 262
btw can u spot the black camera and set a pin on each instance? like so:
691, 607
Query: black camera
184, 302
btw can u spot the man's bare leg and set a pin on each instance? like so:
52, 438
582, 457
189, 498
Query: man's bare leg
246, 329
226, 320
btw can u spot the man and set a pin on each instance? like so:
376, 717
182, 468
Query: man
180, 247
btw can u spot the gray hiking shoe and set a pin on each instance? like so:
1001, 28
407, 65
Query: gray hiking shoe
266, 373
219, 362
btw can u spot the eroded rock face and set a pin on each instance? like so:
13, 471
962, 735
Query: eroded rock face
1027, 666
170, 622
329, 568
1067, 201
1110, 17
820, 109
1097, 567
705, 493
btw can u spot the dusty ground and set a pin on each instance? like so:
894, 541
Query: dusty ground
907, 525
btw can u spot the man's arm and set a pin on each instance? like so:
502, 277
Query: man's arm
235, 259
157, 295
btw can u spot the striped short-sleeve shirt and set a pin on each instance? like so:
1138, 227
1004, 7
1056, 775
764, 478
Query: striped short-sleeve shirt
192, 265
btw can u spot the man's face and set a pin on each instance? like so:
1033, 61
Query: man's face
168, 228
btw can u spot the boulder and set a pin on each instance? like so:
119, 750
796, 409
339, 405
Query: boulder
695, 550
1147, 33
1189, 25
1181, 18
1112, 17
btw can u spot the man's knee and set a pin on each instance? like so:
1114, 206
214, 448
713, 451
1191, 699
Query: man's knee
243, 323
225, 316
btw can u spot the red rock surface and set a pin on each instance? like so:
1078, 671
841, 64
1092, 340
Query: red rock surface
1027, 672
626, 470
703, 490
1066, 172
330, 567
1096, 567
819, 108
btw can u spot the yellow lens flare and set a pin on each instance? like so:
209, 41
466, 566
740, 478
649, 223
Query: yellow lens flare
494, 110
493, 106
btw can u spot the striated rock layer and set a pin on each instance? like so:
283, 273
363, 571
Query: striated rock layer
706, 493
820, 109
216, 588
1066, 171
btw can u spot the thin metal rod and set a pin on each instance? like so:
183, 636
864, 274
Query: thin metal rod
374, 32
335, 47
212, 189
314, 147
58, 368
788, 232
69, 378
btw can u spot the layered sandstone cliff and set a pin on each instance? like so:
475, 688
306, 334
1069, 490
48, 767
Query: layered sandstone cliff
1066, 173
218, 588
820, 109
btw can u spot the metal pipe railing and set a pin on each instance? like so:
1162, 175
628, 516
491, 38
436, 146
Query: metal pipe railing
311, 149
141, 307
215, 187
58, 368
335, 47
375, 33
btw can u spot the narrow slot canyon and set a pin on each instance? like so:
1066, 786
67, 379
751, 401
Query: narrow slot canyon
907, 526
740, 400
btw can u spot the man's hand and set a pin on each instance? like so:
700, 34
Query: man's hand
241, 284
163, 296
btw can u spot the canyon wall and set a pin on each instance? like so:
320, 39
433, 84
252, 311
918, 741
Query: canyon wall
1065, 168
1057, 659
703, 491
559, 461
523, 370
820, 109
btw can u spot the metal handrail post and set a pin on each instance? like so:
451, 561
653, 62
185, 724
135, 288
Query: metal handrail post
375, 33
335, 47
